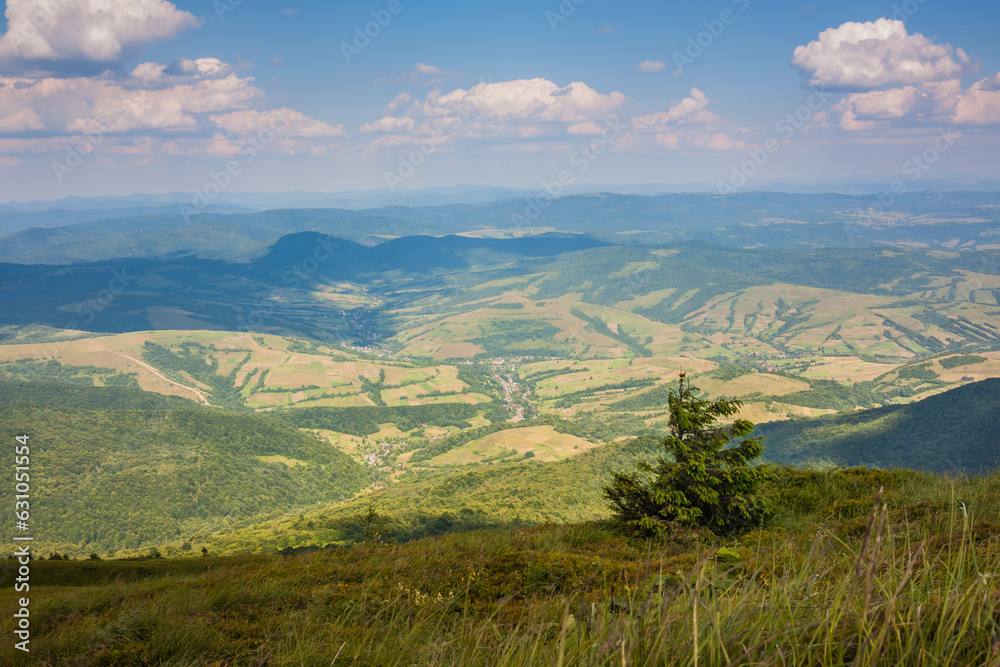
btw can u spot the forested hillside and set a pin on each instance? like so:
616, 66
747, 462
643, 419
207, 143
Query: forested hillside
127, 478
954, 432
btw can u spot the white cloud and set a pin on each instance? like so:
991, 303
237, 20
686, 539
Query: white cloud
425, 70
980, 104
687, 124
652, 66
586, 127
148, 72
19, 120
199, 68
295, 124
398, 102
528, 99
115, 108
389, 124
89, 30
683, 109
201, 97
515, 111
870, 55
926, 105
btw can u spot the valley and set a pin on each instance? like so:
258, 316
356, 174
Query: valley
425, 360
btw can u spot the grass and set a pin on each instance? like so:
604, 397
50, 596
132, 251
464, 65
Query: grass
858, 567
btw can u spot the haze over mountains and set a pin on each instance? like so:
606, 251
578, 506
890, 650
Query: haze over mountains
757, 219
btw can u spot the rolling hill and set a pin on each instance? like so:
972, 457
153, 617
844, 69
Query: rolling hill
953, 432
125, 478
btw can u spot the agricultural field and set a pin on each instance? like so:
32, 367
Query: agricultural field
268, 371
595, 336
541, 443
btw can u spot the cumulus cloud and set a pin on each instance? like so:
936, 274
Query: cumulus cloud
202, 68
87, 30
690, 105
652, 66
389, 124
586, 127
537, 114
926, 105
524, 109
294, 123
930, 102
110, 107
864, 56
528, 100
687, 124
425, 70
201, 102
398, 102
899, 86
980, 104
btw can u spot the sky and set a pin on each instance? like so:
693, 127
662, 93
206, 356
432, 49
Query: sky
113, 97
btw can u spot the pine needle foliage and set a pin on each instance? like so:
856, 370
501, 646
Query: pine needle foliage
704, 476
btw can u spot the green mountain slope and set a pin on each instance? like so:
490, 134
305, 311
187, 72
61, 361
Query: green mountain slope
957, 431
458, 500
60, 395
103, 479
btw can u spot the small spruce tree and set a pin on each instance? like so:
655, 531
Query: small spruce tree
706, 479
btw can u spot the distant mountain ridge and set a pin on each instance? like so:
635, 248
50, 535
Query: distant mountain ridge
754, 219
410, 254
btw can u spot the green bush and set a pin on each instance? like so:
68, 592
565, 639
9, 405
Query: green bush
706, 482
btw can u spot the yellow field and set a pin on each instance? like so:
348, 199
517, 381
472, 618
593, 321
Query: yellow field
771, 385
546, 443
587, 374
981, 371
333, 371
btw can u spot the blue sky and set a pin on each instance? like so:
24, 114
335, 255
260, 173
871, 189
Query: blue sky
157, 97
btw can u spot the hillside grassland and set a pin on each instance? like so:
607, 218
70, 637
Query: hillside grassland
543, 443
858, 566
